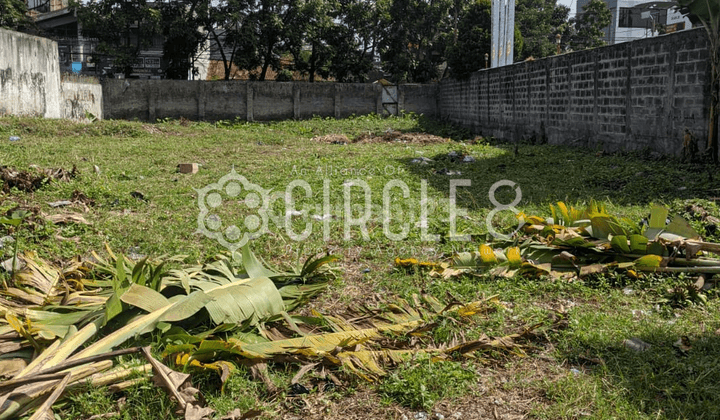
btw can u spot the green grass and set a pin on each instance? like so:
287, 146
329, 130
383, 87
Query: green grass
613, 382
420, 383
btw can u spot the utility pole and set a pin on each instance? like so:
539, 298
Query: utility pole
558, 38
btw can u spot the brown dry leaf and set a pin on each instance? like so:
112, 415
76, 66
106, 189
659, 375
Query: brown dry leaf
193, 412
11, 367
45, 410
122, 386
303, 370
30, 181
80, 197
237, 414
66, 218
259, 371
178, 384
592, 269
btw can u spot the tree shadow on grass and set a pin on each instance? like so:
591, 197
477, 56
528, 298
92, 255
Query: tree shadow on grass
547, 174
662, 381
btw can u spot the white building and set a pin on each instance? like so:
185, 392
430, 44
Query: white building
634, 19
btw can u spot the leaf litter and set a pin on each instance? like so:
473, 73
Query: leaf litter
29, 181
216, 316
211, 317
575, 243
388, 136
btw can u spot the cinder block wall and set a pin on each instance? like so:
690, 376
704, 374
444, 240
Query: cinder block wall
630, 96
149, 100
29, 75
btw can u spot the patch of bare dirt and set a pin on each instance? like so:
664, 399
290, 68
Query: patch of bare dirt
151, 129
399, 137
389, 136
332, 139
358, 289
360, 405
508, 392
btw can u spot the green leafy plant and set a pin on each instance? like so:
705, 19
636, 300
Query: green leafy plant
15, 220
685, 293
420, 383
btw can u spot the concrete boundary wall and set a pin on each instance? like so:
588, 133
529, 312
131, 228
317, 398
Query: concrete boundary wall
30, 81
80, 99
636, 95
149, 100
29, 75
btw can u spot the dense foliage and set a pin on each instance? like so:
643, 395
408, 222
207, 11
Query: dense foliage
13, 15
346, 40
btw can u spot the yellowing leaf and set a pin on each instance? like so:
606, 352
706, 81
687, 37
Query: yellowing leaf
649, 261
487, 254
513, 256
407, 262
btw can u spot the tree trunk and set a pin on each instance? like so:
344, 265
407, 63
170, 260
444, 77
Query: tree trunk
226, 67
266, 64
311, 76
714, 100
712, 129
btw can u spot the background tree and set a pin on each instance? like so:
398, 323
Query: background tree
355, 40
122, 27
271, 32
232, 34
588, 28
181, 23
416, 33
539, 22
13, 15
473, 40
309, 38
707, 13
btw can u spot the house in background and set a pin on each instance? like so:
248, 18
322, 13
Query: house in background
78, 54
635, 19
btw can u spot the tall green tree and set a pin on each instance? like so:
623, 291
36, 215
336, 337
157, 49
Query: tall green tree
13, 15
588, 28
707, 13
331, 39
181, 24
232, 34
539, 22
416, 34
271, 22
355, 40
309, 38
122, 27
472, 40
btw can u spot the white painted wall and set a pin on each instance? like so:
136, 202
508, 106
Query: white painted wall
29, 75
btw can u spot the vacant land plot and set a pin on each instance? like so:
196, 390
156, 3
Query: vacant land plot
570, 357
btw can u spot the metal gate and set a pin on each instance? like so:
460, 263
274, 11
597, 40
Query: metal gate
390, 99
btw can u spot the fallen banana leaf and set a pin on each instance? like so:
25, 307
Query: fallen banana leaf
45, 410
586, 242
53, 303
